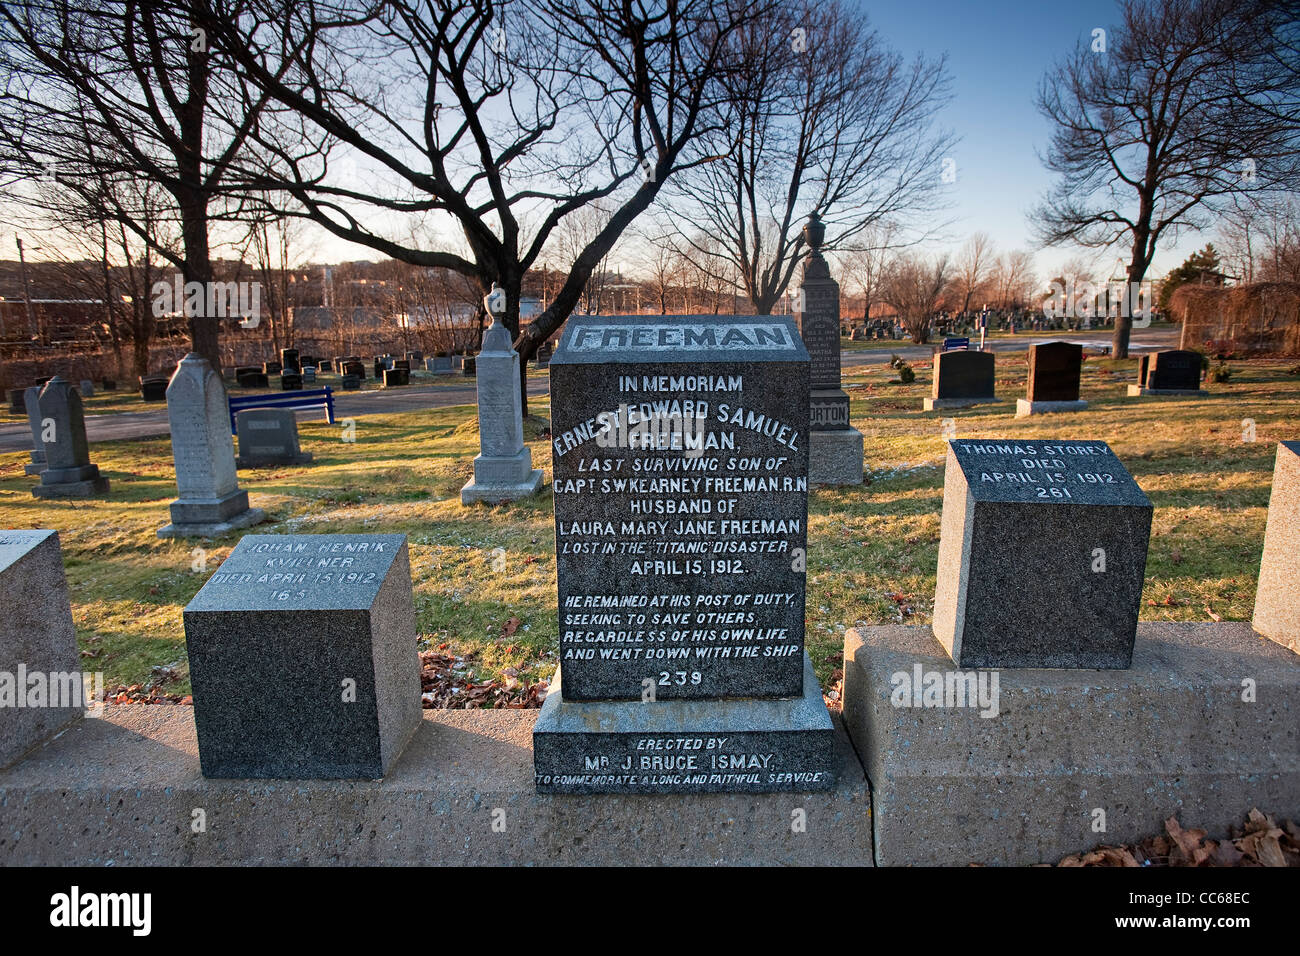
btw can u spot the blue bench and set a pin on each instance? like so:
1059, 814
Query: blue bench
952, 344
314, 398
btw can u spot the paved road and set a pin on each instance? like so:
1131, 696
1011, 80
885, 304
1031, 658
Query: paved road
15, 436
153, 422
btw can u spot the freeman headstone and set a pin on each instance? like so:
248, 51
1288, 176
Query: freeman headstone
41, 687
323, 626
1054, 373
1042, 555
834, 445
68, 472
268, 437
1277, 599
681, 493
211, 501
961, 379
503, 468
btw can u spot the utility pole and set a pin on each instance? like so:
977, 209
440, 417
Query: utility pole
27, 289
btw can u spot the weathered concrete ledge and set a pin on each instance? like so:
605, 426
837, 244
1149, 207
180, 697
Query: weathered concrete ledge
1172, 734
126, 790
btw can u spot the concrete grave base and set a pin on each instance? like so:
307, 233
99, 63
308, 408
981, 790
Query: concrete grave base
474, 492
630, 746
1025, 408
937, 404
1170, 735
84, 488
835, 457
209, 529
34, 468
1135, 391
126, 790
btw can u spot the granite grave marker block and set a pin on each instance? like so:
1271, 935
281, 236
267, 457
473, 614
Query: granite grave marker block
68, 472
41, 687
153, 388
961, 379
303, 661
1042, 555
1277, 597
268, 437
680, 458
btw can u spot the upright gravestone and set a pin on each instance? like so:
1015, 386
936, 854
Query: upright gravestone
17, 397
1277, 598
289, 360
32, 398
834, 445
1169, 372
268, 437
87, 388
323, 628
1042, 555
153, 388
1054, 372
961, 379
41, 688
68, 472
681, 499
211, 501
503, 468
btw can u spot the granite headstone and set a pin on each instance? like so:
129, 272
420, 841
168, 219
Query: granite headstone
961, 378
68, 472
1169, 372
302, 652
32, 397
1055, 369
268, 437
680, 457
1042, 555
41, 686
210, 500
1277, 597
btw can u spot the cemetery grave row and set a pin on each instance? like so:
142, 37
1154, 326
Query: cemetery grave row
683, 449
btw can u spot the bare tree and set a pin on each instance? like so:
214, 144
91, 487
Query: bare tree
1179, 111
500, 119
865, 263
974, 267
914, 287
1013, 279
821, 116
120, 89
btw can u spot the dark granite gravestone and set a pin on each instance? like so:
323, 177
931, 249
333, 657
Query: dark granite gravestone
268, 437
1277, 597
309, 374
680, 461
1042, 555
109, 385
1054, 372
290, 381
468, 366
351, 383
252, 378
353, 367
379, 369
324, 365
17, 397
394, 377
289, 360
305, 360
1169, 372
68, 471
961, 379
413, 358
153, 388
302, 653
38, 644
272, 368
834, 445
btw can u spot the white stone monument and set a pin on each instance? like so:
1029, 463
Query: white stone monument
210, 501
503, 468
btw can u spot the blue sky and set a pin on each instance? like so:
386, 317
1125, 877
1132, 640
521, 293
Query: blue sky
997, 52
